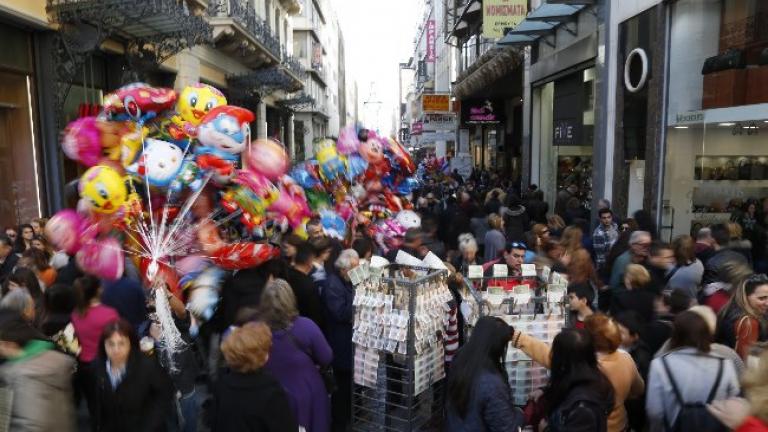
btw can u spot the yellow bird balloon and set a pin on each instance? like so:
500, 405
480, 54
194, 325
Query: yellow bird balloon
104, 188
194, 103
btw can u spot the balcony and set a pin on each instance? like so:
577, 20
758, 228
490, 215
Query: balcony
319, 72
293, 7
250, 87
240, 32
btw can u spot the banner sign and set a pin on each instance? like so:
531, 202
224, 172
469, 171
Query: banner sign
482, 111
431, 54
430, 137
431, 103
502, 14
417, 128
568, 111
437, 122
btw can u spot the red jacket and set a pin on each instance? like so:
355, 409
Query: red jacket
752, 424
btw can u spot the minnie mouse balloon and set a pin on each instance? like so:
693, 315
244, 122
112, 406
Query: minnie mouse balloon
102, 258
65, 229
348, 142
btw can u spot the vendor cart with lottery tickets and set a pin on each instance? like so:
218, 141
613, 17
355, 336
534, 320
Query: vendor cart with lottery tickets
399, 359
535, 303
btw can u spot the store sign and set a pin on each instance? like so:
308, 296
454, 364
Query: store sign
437, 122
689, 117
417, 128
482, 111
431, 54
431, 103
430, 137
502, 14
568, 111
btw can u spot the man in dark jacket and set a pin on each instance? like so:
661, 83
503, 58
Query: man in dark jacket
8, 259
307, 297
536, 207
127, 297
337, 298
661, 260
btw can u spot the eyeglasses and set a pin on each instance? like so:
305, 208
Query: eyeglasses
517, 245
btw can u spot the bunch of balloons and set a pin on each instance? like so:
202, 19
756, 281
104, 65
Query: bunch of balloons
168, 174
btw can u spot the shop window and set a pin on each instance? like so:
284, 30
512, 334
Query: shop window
16, 49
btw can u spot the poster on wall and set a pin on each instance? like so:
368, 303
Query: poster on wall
502, 14
482, 111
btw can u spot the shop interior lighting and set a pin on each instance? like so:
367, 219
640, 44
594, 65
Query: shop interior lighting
681, 127
727, 124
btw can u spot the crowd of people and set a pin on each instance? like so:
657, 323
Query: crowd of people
659, 335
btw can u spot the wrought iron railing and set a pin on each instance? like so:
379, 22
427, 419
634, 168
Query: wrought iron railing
294, 65
245, 15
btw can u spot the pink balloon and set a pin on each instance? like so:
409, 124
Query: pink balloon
65, 230
191, 264
268, 158
102, 258
81, 141
292, 206
348, 142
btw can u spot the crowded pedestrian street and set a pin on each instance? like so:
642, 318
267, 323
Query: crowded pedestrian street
384, 216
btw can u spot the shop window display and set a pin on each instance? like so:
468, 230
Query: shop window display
716, 162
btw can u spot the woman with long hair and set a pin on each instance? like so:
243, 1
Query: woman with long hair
688, 271
617, 365
89, 320
689, 374
571, 241
541, 233
39, 262
742, 321
478, 396
24, 240
24, 278
133, 392
578, 395
299, 351
556, 225
495, 240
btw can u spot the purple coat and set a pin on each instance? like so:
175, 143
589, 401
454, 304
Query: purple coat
292, 366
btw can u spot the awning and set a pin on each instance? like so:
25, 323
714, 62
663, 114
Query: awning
533, 28
471, 11
572, 2
517, 40
554, 12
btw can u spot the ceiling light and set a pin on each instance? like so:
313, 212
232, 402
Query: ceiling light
681, 127
726, 124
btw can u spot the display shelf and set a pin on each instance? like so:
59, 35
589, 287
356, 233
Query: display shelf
753, 183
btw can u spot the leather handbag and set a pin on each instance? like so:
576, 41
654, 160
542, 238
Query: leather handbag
745, 168
729, 59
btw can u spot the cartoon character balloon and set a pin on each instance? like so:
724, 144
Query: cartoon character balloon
138, 102
194, 103
81, 141
65, 229
223, 134
268, 158
103, 188
332, 165
160, 163
372, 151
102, 258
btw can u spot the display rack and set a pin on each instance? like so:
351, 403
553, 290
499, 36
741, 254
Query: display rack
399, 361
542, 313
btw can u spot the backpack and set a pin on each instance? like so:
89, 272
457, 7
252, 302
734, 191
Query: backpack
694, 416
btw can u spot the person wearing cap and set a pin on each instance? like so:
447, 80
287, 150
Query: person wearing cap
38, 377
639, 248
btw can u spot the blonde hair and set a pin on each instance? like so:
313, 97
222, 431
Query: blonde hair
734, 230
278, 305
740, 299
571, 238
495, 221
637, 276
246, 349
755, 385
555, 221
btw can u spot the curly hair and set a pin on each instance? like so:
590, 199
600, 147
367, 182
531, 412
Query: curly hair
247, 348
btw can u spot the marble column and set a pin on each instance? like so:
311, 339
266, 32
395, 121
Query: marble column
289, 139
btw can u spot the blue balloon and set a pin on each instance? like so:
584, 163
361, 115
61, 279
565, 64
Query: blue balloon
303, 177
357, 166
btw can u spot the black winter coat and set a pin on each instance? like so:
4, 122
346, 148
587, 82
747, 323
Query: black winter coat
250, 402
141, 402
584, 409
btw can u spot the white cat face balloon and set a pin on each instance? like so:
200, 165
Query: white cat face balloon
408, 219
160, 162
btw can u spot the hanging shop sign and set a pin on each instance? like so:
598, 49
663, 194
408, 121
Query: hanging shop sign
436, 103
482, 111
431, 54
417, 128
568, 111
438, 122
502, 14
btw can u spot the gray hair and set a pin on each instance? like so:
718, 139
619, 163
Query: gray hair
704, 233
17, 300
467, 242
278, 305
344, 261
639, 235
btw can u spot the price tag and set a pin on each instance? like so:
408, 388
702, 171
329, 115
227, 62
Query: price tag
358, 274
494, 299
521, 294
500, 270
528, 270
545, 272
475, 272
555, 293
